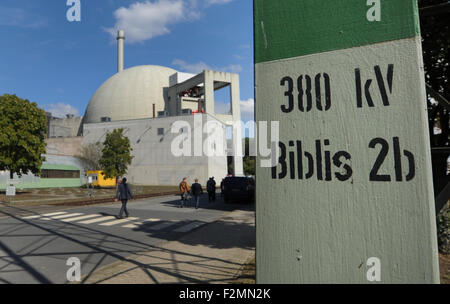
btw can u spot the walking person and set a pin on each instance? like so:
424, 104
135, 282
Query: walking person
211, 188
123, 194
197, 190
221, 187
184, 191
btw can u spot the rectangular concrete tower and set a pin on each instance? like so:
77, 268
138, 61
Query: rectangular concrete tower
351, 199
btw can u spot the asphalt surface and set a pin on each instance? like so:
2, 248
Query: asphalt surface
35, 245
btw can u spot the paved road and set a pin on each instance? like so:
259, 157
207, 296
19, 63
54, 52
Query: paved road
35, 246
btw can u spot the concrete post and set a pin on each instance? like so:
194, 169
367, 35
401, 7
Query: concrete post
209, 91
351, 198
237, 131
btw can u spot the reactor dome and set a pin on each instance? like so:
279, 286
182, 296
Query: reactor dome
130, 94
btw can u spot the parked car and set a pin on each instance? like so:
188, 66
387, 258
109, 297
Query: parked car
238, 189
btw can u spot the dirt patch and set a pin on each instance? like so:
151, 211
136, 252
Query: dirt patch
80, 196
248, 273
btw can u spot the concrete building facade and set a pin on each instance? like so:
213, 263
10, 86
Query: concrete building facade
151, 140
146, 101
68, 126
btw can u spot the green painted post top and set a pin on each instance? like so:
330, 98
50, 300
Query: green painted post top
291, 28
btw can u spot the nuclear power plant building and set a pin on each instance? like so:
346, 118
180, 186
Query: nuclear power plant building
148, 102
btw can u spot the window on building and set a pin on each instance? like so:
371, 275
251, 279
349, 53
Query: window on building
46, 173
160, 131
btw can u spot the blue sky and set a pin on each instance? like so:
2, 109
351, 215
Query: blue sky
60, 64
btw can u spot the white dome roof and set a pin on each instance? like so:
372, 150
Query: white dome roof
130, 94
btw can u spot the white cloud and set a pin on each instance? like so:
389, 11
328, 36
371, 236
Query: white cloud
198, 67
247, 109
61, 109
212, 2
145, 20
142, 21
193, 68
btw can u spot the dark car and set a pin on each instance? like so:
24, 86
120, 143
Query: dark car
238, 189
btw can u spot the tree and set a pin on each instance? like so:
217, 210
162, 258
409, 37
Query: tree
116, 154
22, 135
91, 155
435, 30
230, 165
249, 161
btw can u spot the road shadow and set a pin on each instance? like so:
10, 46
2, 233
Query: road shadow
36, 238
221, 234
218, 204
102, 213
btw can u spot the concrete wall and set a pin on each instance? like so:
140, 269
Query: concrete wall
68, 146
210, 82
64, 127
153, 162
217, 165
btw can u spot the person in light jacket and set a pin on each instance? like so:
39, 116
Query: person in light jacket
184, 191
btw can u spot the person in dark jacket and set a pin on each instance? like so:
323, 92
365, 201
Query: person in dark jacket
123, 194
221, 187
211, 188
196, 190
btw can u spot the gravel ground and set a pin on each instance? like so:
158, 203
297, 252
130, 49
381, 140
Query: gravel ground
33, 197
